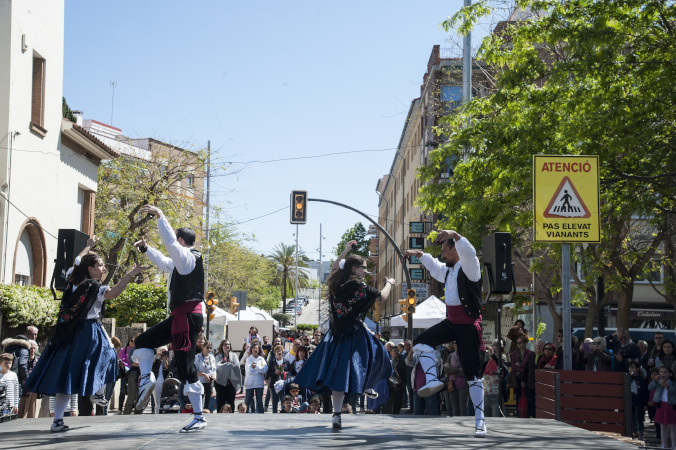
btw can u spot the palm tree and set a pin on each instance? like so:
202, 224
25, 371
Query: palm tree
284, 256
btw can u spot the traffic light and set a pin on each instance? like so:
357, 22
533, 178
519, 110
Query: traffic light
410, 301
211, 305
234, 306
299, 207
404, 309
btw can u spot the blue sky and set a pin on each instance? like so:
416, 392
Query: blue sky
262, 81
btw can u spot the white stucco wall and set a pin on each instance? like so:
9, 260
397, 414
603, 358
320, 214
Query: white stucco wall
45, 175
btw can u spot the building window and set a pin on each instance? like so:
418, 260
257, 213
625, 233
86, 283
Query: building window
654, 273
23, 271
190, 181
38, 97
86, 200
451, 98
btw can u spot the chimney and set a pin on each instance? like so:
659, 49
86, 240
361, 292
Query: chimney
78, 117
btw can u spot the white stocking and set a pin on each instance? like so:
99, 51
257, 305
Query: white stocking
428, 361
337, 401
60, 403
476, 393
194, 391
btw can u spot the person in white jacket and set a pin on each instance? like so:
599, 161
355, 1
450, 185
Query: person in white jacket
255, 367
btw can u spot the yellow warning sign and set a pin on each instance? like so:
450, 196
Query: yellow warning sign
566, 199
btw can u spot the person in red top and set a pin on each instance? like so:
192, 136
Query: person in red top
461, 274
548, 359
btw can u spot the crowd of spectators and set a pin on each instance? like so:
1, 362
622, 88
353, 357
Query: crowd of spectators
225, 373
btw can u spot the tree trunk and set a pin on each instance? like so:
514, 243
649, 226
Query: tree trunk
624, 299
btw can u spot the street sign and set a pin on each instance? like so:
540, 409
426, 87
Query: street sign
420, 289
241, 299
414, 260
417, 274
566, 199
416, 243
416, 227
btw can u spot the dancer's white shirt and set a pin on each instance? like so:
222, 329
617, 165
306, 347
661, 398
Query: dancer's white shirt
468, 261
180, 257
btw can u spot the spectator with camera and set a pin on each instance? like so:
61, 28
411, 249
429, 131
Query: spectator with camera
515, 332
594, 357
623, 349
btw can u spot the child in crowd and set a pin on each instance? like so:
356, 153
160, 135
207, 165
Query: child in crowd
287, 405
639, 397
665, 396
652, 407
315, 404
298, 404
241, 408
226, 409
70, 409
10, 380
347, 409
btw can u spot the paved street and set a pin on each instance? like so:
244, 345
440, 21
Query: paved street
307, 431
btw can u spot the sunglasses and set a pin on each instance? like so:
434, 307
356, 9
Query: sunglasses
549, 348
209, 348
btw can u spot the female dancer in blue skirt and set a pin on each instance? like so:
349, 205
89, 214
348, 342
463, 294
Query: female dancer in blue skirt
349, 359
79, 358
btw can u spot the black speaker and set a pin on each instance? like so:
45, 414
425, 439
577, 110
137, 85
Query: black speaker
71, 243
497, 255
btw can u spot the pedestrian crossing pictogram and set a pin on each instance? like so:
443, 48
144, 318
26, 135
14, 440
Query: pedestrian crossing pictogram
566, 202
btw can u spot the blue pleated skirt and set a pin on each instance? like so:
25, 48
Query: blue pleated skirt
81, 367
348, 363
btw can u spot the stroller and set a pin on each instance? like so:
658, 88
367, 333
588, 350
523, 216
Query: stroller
169, 396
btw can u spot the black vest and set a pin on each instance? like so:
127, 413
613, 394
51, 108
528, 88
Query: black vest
187, 287
469, 292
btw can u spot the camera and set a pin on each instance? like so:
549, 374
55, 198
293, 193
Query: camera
354, 247
142, 248
166, 353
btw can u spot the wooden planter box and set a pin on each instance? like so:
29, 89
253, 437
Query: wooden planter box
595, 401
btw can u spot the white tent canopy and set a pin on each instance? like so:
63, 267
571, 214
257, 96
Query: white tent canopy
428, 313
253, 313
221, 317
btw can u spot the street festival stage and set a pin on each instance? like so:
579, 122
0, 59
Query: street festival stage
274, 431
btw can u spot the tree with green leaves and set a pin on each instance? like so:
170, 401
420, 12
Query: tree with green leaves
356, 233
582, 77
170, 178
284, 259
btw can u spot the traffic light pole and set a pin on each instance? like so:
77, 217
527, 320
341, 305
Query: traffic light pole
389, 238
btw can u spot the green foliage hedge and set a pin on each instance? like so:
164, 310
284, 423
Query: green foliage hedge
306, 326
27, 305
137, 304
32, 305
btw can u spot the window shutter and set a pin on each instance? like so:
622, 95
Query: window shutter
24, 256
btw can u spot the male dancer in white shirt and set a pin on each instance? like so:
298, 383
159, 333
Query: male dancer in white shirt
461, 274
186, 292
